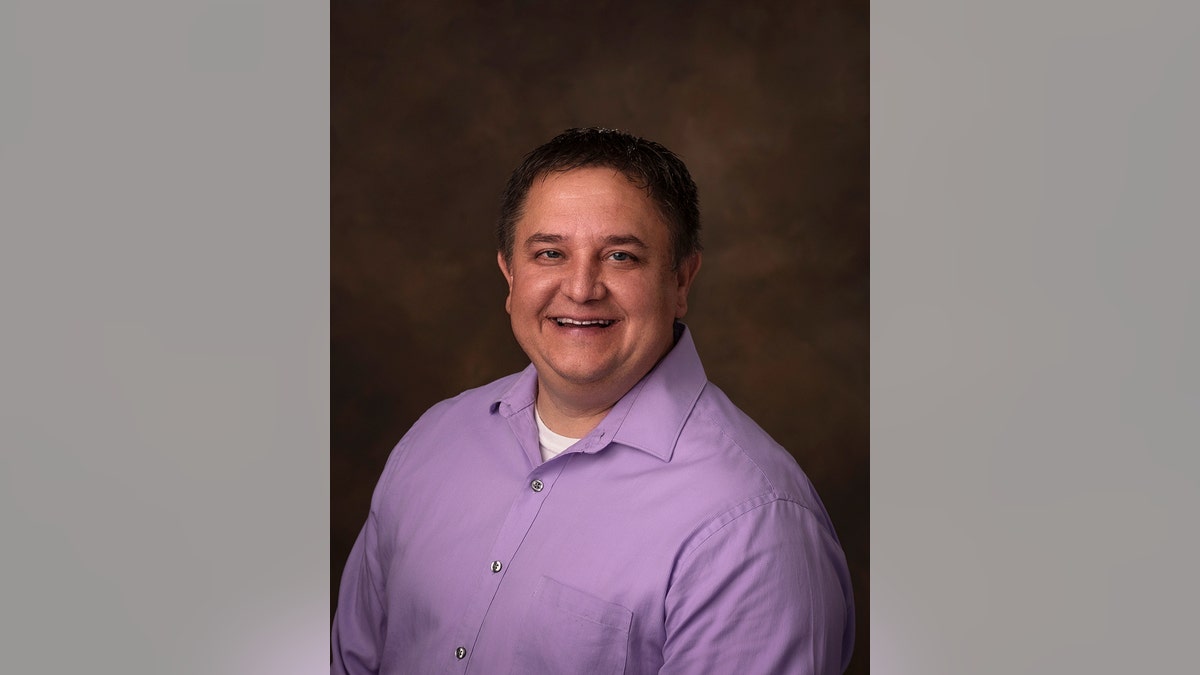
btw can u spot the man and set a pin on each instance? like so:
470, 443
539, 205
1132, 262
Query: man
607, 510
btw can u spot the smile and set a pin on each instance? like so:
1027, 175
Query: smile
588, 323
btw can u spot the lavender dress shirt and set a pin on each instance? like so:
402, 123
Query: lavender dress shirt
676, 537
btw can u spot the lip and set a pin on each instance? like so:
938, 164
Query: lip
564, 321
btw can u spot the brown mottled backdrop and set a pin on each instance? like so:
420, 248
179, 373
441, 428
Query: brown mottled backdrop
767, 102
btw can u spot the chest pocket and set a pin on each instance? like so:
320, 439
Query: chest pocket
569, 631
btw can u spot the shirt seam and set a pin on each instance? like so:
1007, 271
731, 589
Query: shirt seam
379, 597
746, 507
771, 495
384, 550
772, 488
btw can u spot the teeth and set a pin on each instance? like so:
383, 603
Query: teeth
589, 322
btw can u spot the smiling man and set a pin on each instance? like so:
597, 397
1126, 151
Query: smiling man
607, 510
594, 291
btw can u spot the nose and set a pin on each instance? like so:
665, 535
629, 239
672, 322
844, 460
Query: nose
583, 282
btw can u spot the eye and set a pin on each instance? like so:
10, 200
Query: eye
549, 255
621, 256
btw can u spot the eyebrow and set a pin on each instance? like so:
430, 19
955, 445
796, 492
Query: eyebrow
611, 240
624, 240
543, 238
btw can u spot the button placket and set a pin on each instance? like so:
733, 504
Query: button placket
521, 516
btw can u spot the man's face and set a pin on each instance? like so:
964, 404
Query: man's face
591, 292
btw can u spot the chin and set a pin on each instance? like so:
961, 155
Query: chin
580, 378
580, 375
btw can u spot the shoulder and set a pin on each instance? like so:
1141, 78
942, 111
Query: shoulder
471, 407
768, 553
468, 413
476, 401
743, 450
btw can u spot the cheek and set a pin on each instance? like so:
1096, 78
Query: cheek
655, 297
526, 295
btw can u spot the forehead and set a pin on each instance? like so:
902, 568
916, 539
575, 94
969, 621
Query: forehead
592, 196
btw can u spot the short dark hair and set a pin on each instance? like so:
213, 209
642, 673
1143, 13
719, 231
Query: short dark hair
648, 165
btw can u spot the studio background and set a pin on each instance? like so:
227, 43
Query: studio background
767, 103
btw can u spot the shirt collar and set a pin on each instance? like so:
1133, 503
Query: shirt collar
649, 417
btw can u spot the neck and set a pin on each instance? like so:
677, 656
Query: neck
573, 410
569, 417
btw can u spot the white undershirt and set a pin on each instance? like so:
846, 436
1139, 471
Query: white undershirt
549, 442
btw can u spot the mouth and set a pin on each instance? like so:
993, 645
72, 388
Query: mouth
566, 322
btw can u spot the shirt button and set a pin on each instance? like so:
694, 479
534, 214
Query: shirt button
537, 485
496, 566
460, 653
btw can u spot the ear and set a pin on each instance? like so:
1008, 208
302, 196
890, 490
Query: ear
684, 276
508, 277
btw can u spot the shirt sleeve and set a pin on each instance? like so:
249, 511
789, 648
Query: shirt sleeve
765, 590
356, 640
